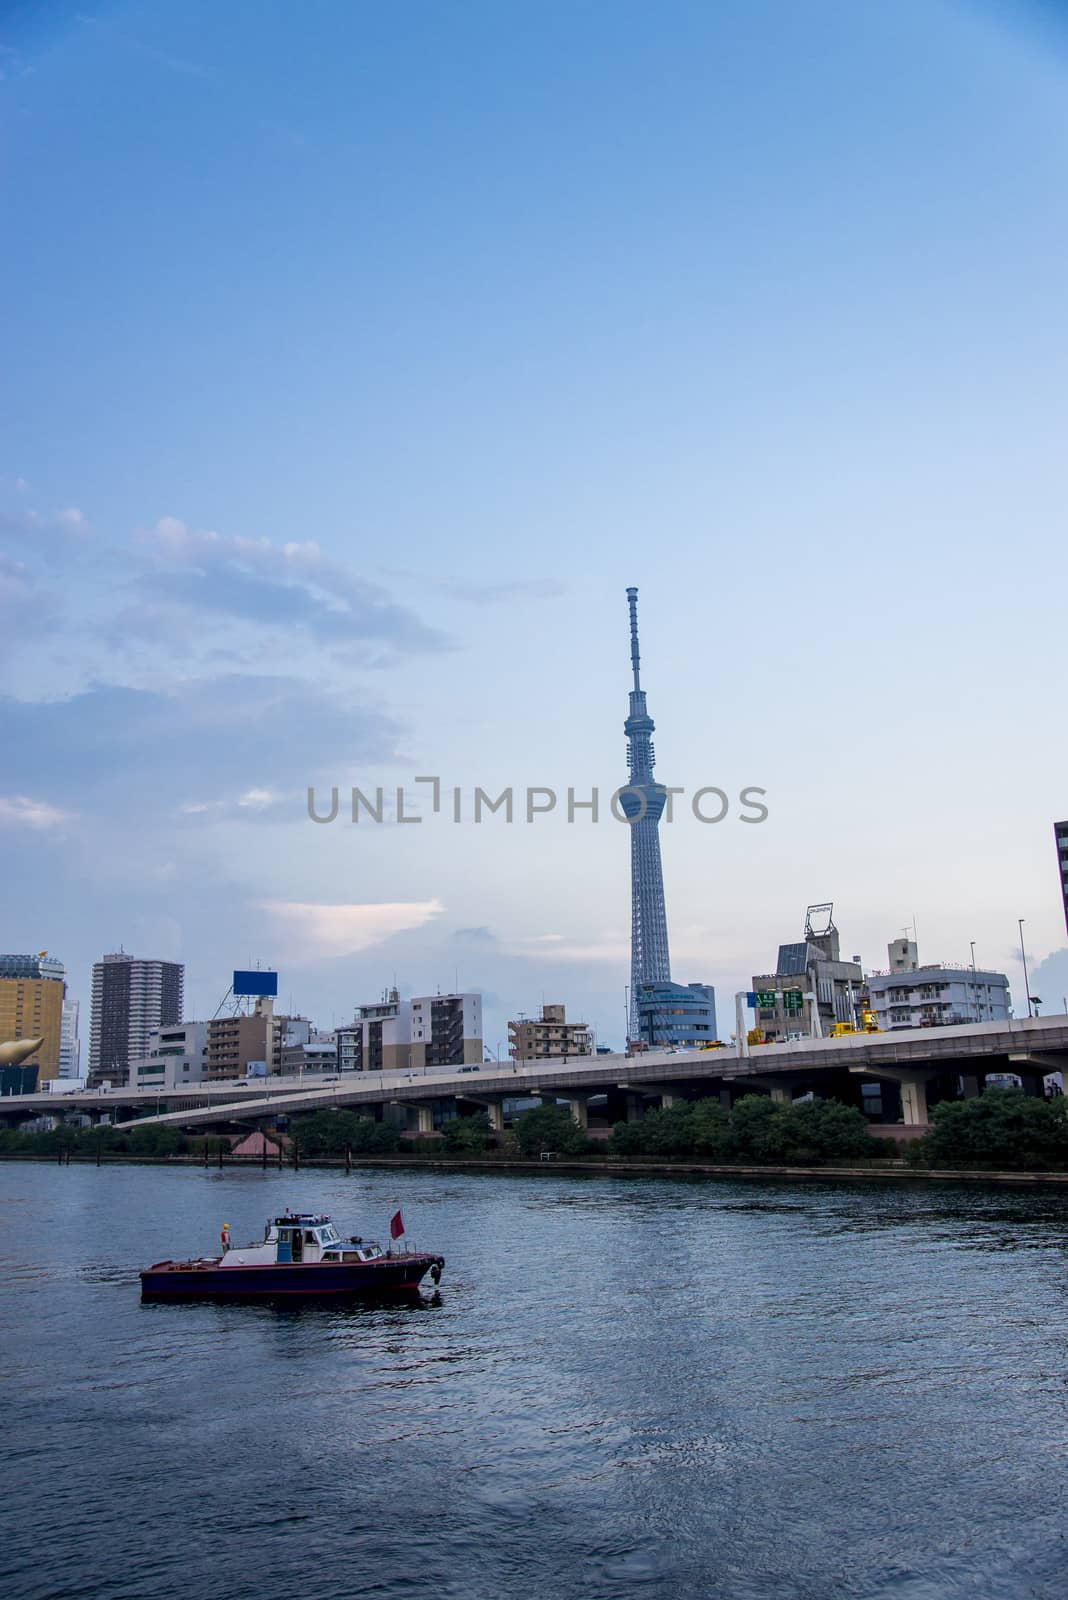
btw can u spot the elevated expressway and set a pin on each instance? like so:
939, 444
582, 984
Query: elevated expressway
952, 1059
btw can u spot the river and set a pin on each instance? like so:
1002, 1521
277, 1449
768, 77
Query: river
627, 1387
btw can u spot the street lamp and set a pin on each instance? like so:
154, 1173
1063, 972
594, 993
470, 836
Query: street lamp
975, 984
1023, 958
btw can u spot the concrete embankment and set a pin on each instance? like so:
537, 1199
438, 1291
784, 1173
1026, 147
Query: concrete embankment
875, 1172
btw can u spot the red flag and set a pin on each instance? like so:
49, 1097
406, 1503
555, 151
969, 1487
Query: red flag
396, 1225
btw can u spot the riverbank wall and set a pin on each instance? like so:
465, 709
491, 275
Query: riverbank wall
868, 1172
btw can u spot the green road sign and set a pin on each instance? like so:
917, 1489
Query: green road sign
793, 1000
765, 999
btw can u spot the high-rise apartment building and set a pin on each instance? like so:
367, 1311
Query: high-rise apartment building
32, 989
70, 1045
1060, 834
131, 997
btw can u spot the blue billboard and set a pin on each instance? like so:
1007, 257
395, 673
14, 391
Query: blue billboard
257, 983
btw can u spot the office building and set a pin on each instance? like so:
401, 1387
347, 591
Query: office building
812, 988
1060, 834
548, 1037
177, 1056
130, 998
32, 991
676, 1015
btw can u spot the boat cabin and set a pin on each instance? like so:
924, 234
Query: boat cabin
300, 1237
314, 1238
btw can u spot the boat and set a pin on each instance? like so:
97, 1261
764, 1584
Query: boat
300, 1254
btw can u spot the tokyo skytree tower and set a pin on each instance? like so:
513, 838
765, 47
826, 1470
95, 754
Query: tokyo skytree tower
643, 804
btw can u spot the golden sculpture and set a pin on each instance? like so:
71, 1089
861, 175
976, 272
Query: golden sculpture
18, 1050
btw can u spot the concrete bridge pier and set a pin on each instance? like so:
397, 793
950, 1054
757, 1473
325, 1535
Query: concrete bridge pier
494, 1110
418, 1116
914, 1101
635, 1107
576, 1104
913, 1087
667, 1094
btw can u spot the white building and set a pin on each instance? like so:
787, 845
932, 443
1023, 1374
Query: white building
911, 996
70, 1046
177, 1055
430, 1033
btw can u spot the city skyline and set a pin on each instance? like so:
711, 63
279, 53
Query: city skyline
411, 365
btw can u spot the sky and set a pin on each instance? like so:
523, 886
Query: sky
357, 358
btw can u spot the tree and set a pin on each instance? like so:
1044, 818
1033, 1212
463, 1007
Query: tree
1003, 1127
331, 1132
467, 1135
549, 1128
750, 1136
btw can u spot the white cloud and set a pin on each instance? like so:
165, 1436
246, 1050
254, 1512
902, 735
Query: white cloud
20, 811
71, 517
273, 585
554, 947
257, 799
327, 931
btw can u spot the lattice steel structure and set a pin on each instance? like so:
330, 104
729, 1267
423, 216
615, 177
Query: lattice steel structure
643, 803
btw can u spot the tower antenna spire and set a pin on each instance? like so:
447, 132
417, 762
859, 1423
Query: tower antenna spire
632, 602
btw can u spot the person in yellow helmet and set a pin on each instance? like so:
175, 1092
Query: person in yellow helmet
225, 1236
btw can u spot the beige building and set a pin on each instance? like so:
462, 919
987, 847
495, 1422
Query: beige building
548, 1037
31, 1007
235, 1041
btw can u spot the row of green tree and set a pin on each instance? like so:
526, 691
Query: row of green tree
756, 1129
1001, 1128
324, 1133
125, 1139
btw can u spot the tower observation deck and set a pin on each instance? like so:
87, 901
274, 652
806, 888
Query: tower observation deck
643, 804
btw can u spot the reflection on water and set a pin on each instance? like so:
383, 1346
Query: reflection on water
681, 1388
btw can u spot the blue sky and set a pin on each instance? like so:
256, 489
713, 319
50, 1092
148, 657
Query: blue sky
361, 356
